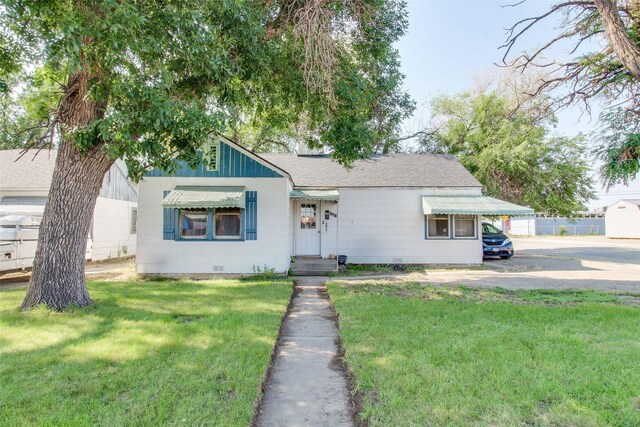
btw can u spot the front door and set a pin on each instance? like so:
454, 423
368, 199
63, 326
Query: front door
308, 229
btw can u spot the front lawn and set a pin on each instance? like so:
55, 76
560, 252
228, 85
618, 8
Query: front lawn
460, 357
146, 353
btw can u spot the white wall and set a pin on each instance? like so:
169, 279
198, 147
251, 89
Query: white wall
112, 236
272, 248
387, 226
622, 220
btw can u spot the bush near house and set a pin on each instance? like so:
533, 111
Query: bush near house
146, 353
460, 357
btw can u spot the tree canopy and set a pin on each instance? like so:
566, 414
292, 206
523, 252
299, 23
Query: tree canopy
166, 75
511, 152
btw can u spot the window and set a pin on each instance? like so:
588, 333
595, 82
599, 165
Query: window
464, 226
227, 223
308, 216
134, 220
212, 156
490, 229
193, 223
438, 226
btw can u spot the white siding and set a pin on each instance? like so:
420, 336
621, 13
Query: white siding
329, 230
271, 249
112, 236
290, 214
387, 226
622, 220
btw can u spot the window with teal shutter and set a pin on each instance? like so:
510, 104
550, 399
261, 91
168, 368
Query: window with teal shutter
251, 216
168, 221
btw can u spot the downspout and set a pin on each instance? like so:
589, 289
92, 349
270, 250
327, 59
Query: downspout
337, 233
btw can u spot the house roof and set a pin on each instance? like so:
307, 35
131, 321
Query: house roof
632, 201
30, 173
391, 170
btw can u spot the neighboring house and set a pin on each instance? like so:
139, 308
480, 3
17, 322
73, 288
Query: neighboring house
24, 186
586, 223
239, 211
623, 219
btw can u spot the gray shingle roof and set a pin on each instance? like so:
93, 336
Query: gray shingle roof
28, 172
392, 170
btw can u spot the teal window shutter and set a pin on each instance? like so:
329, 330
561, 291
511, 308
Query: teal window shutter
168, 221
251, 216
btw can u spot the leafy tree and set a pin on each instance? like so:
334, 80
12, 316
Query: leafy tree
151, 79
620, 146
611, 72
26, 110
511, 153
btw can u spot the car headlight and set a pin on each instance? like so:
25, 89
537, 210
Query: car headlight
506, 241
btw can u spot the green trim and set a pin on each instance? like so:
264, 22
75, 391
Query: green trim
471, 205
328, 195
194, 197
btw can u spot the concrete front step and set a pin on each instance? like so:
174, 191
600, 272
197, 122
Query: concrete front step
313, 266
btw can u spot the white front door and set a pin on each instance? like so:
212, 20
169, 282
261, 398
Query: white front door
308, 228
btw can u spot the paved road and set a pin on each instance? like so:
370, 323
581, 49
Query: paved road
585, 248
548, 263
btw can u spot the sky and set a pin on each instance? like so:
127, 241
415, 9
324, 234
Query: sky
451, 43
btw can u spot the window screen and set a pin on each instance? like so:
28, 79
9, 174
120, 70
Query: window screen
438, 226
193, 223
465, 226
227, 223
134, 220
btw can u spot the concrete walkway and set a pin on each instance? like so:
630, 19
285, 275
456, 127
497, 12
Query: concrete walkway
307, 385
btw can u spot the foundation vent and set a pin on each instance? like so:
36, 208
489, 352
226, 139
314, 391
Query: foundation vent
218, 268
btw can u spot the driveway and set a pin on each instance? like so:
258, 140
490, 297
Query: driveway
111, 270
548, 263
596, 248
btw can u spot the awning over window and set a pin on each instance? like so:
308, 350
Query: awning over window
331, 195
188, 197
471, 205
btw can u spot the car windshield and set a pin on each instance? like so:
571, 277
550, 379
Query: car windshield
490, 229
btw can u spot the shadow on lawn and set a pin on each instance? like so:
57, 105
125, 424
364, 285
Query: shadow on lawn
143, 353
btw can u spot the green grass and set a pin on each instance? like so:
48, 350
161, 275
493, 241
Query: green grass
146, 353
462, 357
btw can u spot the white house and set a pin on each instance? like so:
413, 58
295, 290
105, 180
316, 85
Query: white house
24, 186
623, 219
238, 211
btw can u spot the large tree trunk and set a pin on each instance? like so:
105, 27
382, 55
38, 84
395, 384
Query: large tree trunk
625, 48
57, 278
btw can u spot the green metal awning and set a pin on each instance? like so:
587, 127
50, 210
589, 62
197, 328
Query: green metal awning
330, 195
471, 205
193, 197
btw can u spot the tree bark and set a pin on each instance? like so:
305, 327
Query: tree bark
57, 278
624, 48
